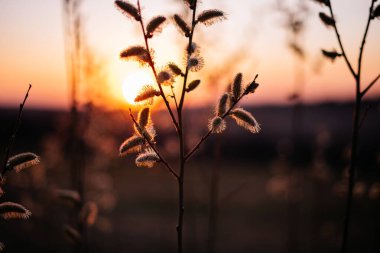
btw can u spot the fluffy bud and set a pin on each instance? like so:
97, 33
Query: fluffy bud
155, 26
193, 85
223, 104
131, 145
22, 161
182, 26
217, 125
11, 210
246, 120
210, 17
327, 20
128, 9
147, 159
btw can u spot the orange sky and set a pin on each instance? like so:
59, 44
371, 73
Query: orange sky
251, 41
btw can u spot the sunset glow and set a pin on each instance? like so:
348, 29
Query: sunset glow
264, 51
134, 83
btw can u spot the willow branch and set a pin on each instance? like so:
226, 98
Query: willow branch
210, 131
151, 144
151, 64
340, 43
364, 40
14, 133
193, 24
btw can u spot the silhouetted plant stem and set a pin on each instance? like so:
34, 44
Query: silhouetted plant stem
193, 24
181, 178
142, 141
151, 64
356, 119
181, 195
14, 133
351, 174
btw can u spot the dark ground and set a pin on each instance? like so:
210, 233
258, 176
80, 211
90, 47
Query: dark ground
279, 191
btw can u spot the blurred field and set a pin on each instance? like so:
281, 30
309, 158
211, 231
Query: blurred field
276, 194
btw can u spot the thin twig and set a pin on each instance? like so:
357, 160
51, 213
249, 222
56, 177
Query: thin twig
151, 64
154, 148
14, 133
181, 179
370, 86
174, 97
363, 41
340, 42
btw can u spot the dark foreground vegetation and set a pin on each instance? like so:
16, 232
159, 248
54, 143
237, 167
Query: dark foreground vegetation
275, 193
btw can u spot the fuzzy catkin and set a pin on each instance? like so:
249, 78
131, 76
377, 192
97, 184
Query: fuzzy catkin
22, 161
210, 17
175, 69
138, 53
236, 87
131, 145
246, 120
327, 20
165, 78
195, 63
11, 210
193, 85
128, 9
143, 117
155, 25
223, 104
147, 94
217, 125
147, 159
182, 26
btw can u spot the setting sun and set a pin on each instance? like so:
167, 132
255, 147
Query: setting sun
133, 84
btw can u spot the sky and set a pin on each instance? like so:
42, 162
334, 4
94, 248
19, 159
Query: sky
252, 41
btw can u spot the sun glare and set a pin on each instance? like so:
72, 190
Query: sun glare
133, 84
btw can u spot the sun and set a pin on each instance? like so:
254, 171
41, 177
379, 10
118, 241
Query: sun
133, 84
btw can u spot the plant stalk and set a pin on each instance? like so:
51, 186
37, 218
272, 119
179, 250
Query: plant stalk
181, 136
181, 179
356, 120
351, 172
